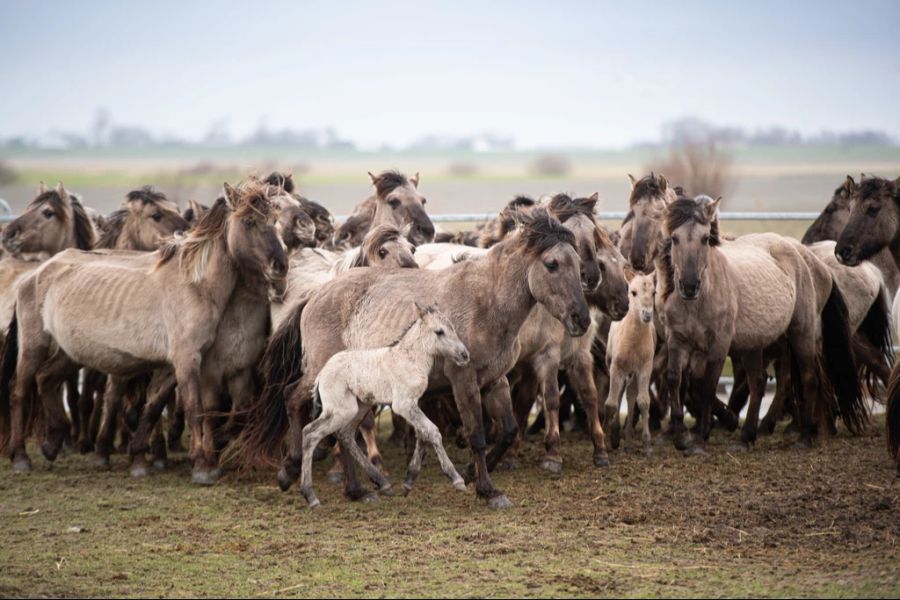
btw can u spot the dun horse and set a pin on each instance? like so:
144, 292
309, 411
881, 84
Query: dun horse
353, 381
630, 348
487, 301
120, 314
397, 202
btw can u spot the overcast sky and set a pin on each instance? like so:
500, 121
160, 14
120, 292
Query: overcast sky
548, 73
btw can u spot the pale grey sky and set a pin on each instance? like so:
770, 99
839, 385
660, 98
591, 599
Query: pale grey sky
547, 73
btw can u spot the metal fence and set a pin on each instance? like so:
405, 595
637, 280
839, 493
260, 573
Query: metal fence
619, 215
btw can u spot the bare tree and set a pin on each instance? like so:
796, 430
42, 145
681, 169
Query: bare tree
8, 175
698, 166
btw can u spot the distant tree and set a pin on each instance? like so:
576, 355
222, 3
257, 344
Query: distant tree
698, 166
553, 165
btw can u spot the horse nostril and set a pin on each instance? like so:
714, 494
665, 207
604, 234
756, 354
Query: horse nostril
845, 252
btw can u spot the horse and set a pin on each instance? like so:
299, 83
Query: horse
487, 301
650, 195
54, 221
146, 218
741, 297
873, 226
321, 218
630, 349
396, 201
128, 313
353, 381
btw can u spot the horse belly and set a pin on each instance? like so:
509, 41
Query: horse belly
766, 301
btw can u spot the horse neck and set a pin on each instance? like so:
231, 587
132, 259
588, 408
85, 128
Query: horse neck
413, 348
220, 277
507, 299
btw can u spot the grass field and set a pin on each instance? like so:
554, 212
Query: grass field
775, 522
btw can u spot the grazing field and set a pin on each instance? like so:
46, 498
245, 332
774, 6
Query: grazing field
773, 522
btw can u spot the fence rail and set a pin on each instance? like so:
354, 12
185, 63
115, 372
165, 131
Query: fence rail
620, 214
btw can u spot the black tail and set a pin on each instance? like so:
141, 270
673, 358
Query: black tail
875, 330
7, 371
893, 414
840, 365
260, 442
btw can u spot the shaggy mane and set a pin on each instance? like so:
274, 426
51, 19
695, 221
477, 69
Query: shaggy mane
541, 231
564, 207
388, 181
146, 195
281, 180
875, 186
648, 186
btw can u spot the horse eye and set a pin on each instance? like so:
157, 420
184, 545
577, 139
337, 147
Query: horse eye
156, 217
705, 240
394, 203
424, 200
412, 250
675, 239
872, 210
439, 332
602, 266
552, 266
382, 253
48, 213
248, 222
634, 294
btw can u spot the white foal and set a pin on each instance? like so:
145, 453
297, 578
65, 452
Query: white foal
629, 356
353, 381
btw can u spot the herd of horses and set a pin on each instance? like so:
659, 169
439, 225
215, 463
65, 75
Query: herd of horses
274, 335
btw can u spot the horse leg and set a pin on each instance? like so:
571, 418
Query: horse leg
546, 367
468, 402
782, 390
298, 398
85, 443
187, 376
73, 399
677, 360
175, 412
210, 398
740, 392
347, 434
581, 376
158, 453
98, 384
112, 403
498, 403
643, 402
756, 380
339, 415
426, 431
159, 390
50, 378
613, 401
631, 392
368, 430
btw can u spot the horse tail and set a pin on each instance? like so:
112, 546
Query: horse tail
260, 441
8, 360
840, 365
875, 331
893, 413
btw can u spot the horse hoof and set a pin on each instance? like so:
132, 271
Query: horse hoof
508, 465
22, 465
159, 464
202, 478
370, 498
387, 490
648, 451
739, 448
802, 445
499, 501
215, 473
694, 451
684, 442
140, 471
459, 485
552, 465
315, 504
601, 461
284, 479
50, 451
335, 477
405, 489
100, 461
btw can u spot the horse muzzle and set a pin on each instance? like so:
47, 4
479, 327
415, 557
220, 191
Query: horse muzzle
577, 323
646, 316
690, 291
846, 255
462, 358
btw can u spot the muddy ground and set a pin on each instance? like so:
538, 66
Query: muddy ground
774, 522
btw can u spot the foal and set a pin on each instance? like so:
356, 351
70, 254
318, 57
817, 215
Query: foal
352, 381
630, 349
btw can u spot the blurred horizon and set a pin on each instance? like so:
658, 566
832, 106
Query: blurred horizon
401, 75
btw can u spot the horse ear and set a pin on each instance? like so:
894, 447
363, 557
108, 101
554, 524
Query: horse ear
712, 208
632, 180
230, 194
42, 189
422, 309
61, 191
663, 183
415, 180
372, 177
849, 184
